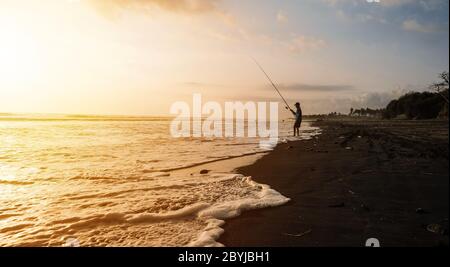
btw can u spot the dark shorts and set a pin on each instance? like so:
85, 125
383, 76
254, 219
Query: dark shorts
298, 124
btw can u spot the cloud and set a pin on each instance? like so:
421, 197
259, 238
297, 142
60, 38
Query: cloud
391, 3
302, 43
413, 25
377, 100
281, 17
425, 5
235, 32
200, 84
334, 2
316, 88
432, 5
386, 3
373, 100
114, 7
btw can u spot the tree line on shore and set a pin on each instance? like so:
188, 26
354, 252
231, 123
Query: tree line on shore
430, 104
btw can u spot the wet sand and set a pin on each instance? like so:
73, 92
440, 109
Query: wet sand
360, 179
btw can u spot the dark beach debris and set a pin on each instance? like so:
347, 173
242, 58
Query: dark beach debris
299, 235
422, 211
290, 147
365, 208
205, 171
436, 229
339, 205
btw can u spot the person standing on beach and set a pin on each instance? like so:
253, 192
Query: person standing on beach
298, 119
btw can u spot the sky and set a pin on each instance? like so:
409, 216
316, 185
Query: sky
137, 57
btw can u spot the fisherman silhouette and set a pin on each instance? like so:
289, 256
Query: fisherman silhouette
298, 114
298, 118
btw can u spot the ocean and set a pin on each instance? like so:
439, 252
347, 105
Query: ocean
122, 181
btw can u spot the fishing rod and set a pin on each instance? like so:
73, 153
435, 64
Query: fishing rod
273, 84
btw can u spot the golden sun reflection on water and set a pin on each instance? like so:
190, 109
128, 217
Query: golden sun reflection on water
113, 183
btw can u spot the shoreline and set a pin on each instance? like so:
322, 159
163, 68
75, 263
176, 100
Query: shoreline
357, 180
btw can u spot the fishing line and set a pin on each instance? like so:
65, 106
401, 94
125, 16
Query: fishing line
273, 84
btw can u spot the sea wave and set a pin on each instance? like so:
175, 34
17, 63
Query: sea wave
136, 187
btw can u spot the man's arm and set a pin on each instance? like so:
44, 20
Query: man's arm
293, 112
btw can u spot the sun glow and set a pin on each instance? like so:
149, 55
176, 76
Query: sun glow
20, 54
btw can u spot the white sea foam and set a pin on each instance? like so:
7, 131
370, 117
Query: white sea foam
216, 214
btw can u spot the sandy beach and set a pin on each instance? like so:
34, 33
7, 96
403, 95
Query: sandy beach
357, 180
